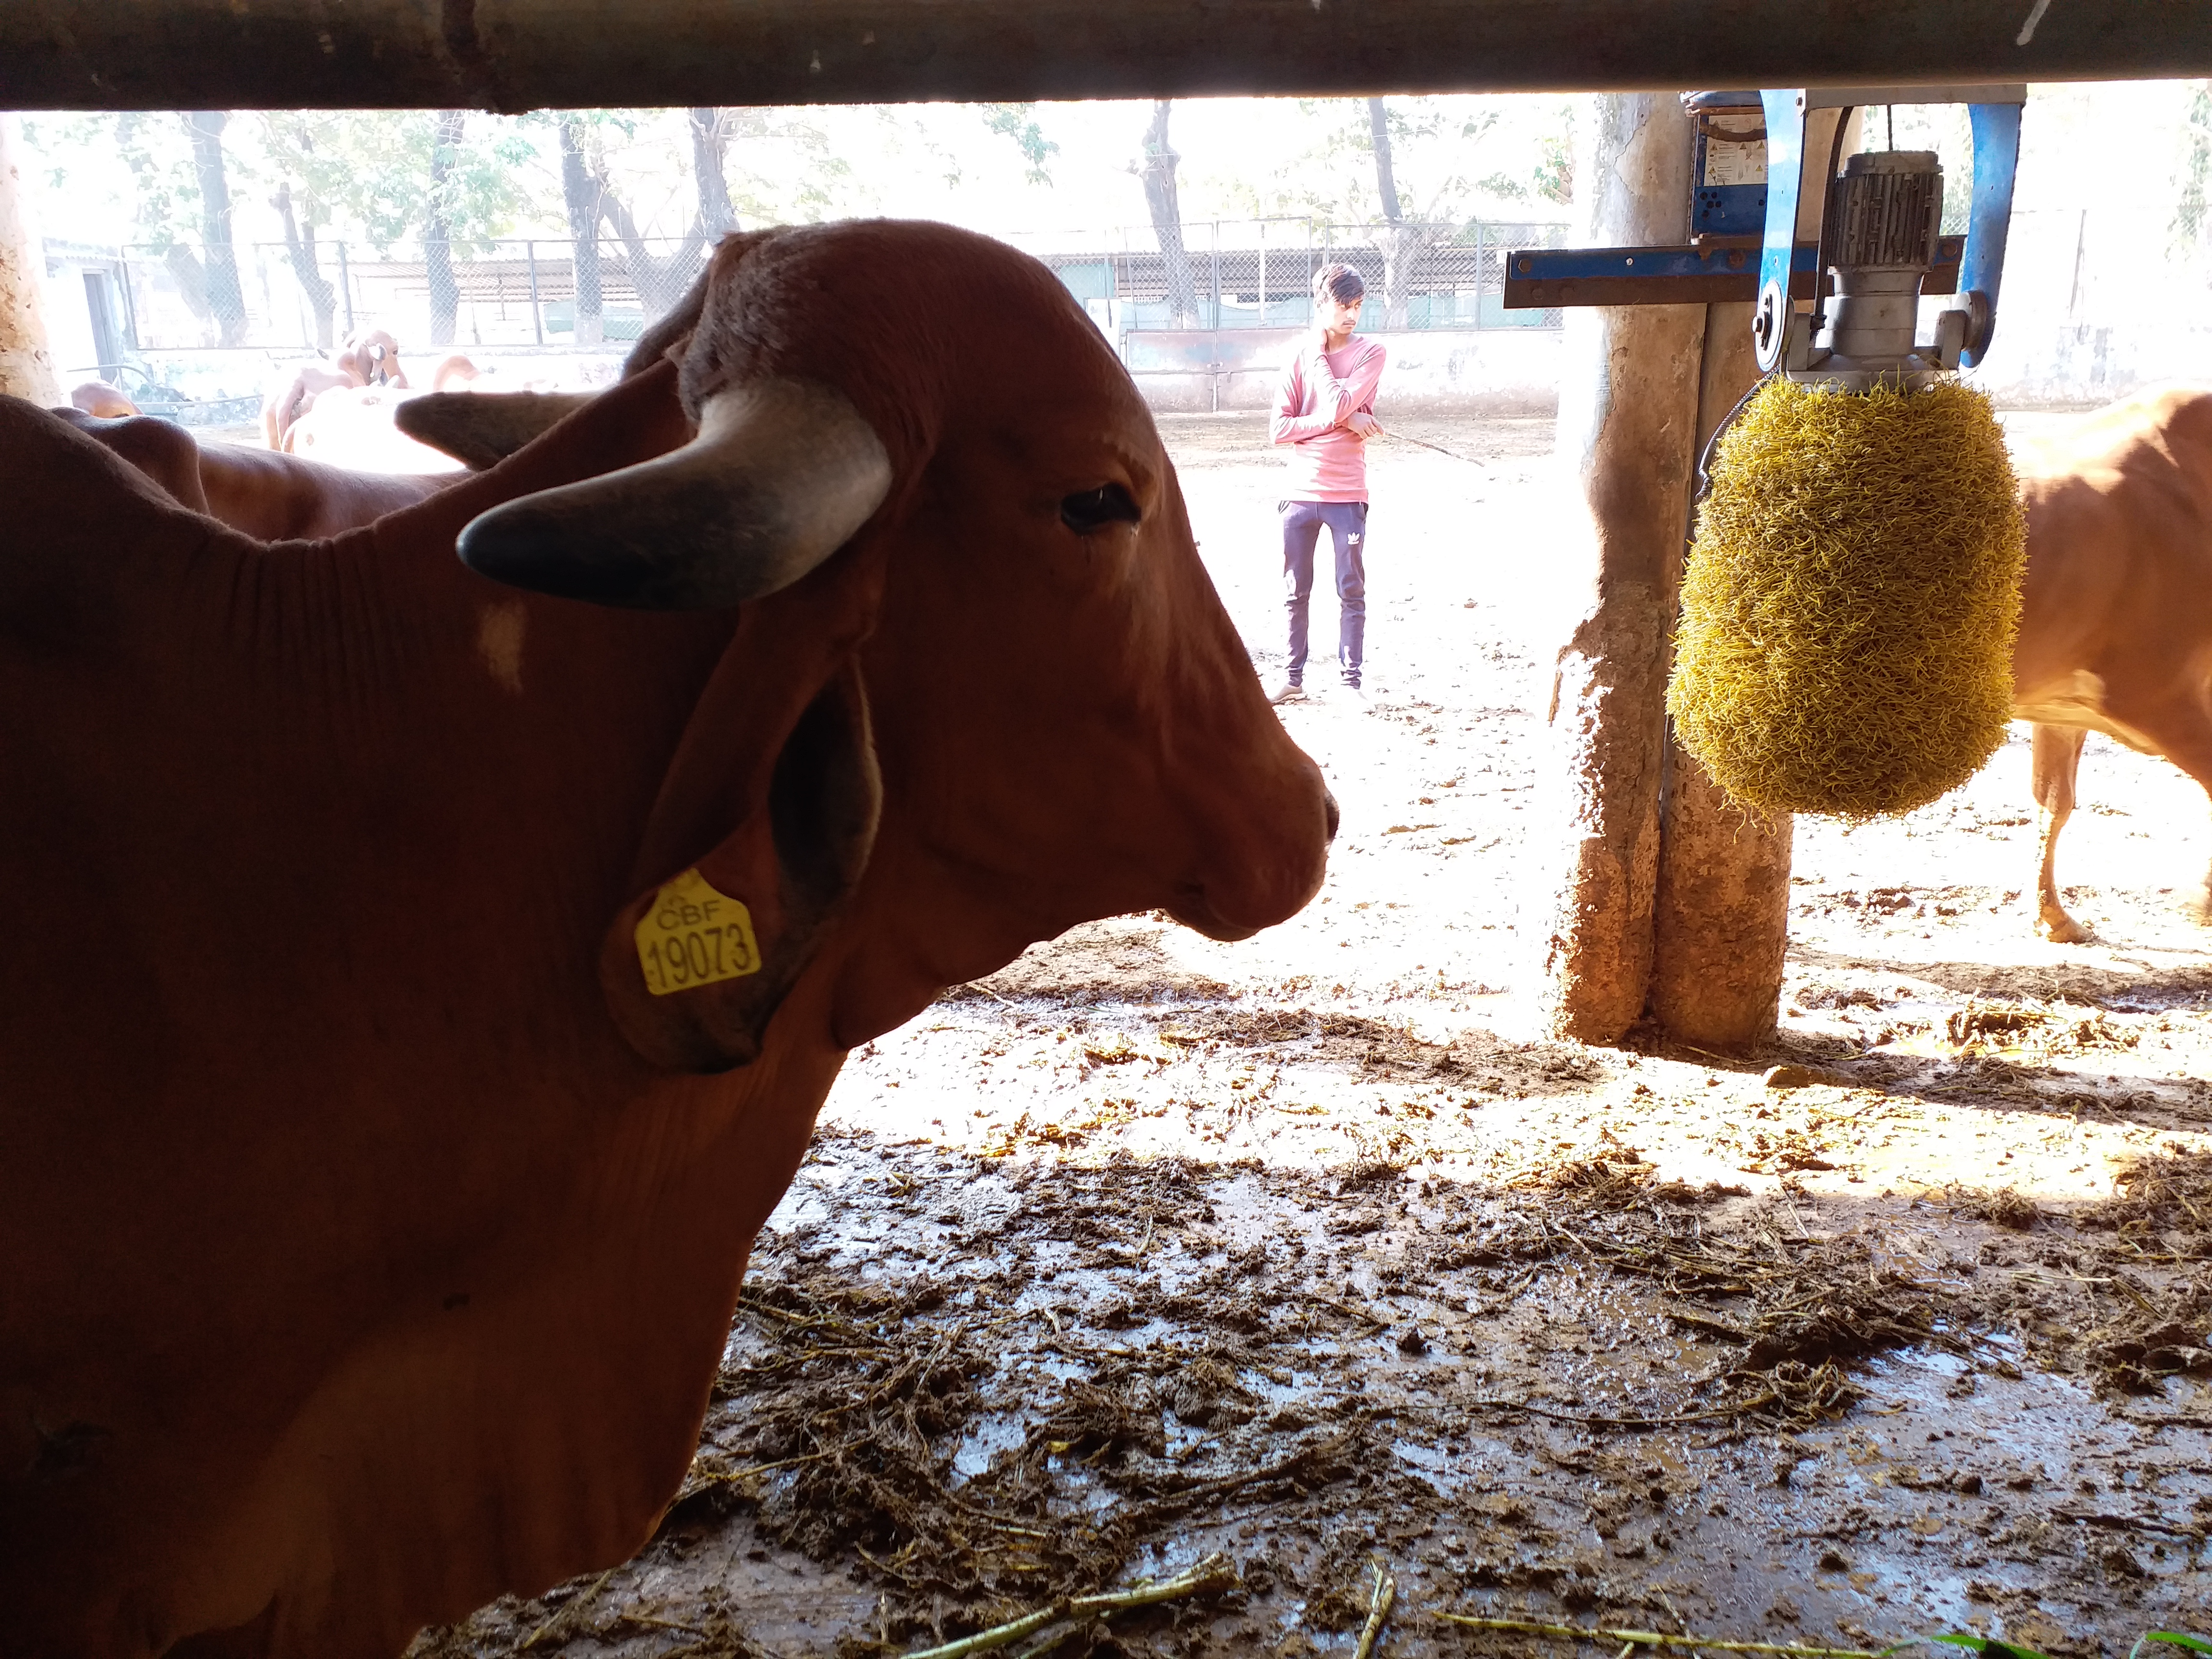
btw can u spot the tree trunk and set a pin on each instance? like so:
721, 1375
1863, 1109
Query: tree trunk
437, 229
191, 280
1628, 408
27, 365
1157, 171
717, 218
581, 192
306, 270
1403, 244
225, 299
660, 283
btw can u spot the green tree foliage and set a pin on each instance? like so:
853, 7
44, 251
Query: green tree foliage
382, 173
1450, 159
156, 174
1018, 123
2189, 226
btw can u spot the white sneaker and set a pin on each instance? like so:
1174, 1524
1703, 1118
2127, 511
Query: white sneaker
1289, 691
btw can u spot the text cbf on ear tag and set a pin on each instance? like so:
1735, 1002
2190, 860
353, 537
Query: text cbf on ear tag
691, 935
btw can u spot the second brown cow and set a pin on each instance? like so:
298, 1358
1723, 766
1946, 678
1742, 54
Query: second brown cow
2116, 624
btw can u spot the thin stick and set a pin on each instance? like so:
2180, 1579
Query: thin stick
1654, 1639
565, 1609
998, 1635
2139, 1522
1425, 444
1212, 1573
1742, 1408
1378, 1609
1274, 1471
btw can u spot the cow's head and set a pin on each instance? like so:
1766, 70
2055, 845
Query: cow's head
370, 358
980, 609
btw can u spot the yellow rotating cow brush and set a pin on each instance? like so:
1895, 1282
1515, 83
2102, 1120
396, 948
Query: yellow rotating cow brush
1853, 586
1847, 612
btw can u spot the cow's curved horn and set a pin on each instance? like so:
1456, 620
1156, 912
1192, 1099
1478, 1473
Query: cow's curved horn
781, 474
483, 428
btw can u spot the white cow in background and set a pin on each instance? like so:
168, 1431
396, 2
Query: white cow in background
340, 410
350, 425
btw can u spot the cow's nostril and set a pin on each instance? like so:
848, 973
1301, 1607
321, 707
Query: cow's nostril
1329, 800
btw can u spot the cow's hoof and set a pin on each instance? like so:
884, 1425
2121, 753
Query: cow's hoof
2062, 929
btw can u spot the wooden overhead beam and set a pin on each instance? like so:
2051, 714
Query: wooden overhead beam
522, 54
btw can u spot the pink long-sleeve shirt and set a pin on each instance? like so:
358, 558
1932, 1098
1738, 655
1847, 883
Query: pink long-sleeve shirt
1317, 392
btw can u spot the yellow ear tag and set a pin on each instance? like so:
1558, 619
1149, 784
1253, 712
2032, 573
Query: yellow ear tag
693, 936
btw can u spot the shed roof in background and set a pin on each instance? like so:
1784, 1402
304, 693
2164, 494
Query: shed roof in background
519, 54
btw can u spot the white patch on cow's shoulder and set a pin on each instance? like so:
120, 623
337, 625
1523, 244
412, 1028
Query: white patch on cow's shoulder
499, 642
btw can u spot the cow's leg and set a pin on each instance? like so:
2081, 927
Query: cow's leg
2189, 746
2179, 729
2057, 758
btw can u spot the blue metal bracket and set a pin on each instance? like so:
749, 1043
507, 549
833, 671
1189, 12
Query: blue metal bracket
1539, 277
1988, 221
1711, 271
1784, 109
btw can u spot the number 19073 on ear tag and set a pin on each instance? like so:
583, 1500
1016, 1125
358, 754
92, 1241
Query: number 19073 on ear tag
691, 935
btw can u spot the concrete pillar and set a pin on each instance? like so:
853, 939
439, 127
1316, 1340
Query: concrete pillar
1628, 405
26, 367
1721, 922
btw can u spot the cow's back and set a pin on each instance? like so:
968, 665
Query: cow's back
283, 497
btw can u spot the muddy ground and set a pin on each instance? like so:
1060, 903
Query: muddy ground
1312, 1251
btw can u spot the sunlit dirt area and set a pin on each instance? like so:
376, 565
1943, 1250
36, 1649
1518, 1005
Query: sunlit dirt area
1313, 1252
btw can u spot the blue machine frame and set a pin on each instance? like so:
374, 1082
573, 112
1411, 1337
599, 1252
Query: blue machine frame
1972, 267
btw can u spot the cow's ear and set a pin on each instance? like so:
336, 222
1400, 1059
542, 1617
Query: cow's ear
762, 831
480, 429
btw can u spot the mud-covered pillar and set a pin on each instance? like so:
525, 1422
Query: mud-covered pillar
1721, 922
1628, 406
26, 367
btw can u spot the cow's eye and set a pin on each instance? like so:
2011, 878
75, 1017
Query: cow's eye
1091, 510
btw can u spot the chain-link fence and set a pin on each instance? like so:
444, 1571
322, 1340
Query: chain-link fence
1226, 274
271, 296
1200, 318
179, 326
1258, 273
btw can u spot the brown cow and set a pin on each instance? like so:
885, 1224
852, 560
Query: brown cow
270, 497
416, 992
98, 398
2116, 624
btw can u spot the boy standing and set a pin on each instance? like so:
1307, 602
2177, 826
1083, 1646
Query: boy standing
1325, 411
